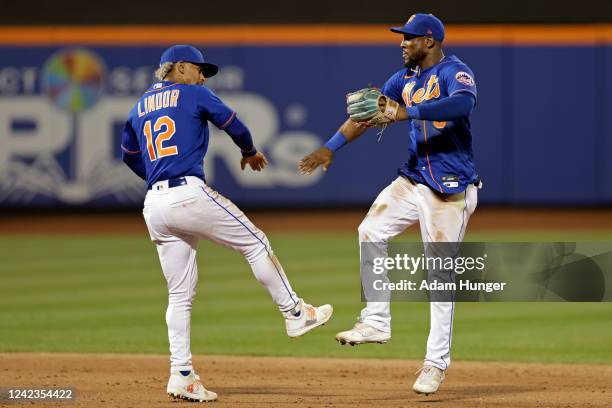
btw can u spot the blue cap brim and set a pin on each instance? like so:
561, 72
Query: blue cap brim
402, 30
209, 70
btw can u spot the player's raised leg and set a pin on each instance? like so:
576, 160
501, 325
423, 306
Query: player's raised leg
443, 220
215, 217
393, 211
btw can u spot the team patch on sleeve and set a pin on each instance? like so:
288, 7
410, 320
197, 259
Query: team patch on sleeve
464, 78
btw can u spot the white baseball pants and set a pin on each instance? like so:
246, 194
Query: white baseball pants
442, 219
177, 218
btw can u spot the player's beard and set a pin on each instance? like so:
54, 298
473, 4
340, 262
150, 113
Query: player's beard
413, 61
410, 65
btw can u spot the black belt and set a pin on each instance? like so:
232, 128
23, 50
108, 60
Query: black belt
174, 182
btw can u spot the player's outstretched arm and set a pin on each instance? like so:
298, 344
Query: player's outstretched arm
241, 136
324, 155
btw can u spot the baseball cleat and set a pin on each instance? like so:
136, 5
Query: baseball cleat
362, 333
429, 380
304, 317
188, 387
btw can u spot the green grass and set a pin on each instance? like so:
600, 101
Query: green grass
107, 294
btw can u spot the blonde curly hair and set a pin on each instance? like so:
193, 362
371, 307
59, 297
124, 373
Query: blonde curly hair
163, 70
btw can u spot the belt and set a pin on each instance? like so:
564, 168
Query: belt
174, 182
478, 183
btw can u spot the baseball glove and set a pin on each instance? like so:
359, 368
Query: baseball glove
369, 105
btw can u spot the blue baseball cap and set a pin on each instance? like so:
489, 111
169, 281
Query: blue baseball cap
422, 25
187, 53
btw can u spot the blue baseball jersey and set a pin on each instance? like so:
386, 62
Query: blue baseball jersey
168, 128
440, 153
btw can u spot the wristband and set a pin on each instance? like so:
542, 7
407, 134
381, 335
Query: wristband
336, 142
249, 153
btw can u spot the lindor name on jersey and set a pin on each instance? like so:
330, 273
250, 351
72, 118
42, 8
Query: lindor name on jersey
161, 100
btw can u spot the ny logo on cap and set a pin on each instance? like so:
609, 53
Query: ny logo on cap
410, 19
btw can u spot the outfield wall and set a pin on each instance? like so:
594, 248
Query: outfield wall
542, 126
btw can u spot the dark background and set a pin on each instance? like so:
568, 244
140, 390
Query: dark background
314, 11
542, 129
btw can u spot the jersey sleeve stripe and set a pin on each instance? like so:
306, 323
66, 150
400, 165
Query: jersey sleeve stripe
227, 122
129, 151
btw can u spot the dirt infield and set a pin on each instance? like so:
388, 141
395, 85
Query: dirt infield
506, 219
113, 380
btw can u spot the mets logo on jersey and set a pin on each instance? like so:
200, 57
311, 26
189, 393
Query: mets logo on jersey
430, 91
464, 78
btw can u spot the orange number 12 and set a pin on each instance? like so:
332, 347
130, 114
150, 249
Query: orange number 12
157, 145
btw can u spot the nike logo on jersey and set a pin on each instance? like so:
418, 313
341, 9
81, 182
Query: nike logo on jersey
429, 91
160, 100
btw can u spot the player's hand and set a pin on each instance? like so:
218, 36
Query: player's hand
257, 162
320, 157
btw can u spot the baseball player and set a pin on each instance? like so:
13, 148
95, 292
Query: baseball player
437, 186
164, 142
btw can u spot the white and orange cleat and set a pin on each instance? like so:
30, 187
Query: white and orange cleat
188, 387
304, 317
